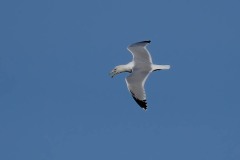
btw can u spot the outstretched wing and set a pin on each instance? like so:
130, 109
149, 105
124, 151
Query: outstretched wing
135, 83
140, 52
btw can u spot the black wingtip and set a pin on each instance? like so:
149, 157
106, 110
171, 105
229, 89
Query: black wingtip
143, 43
149, 41
141, 103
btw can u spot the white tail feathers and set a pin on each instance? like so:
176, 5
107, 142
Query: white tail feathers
160, 67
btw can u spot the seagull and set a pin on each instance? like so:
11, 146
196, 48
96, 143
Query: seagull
140, 68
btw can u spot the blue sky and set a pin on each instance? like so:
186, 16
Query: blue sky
57, 101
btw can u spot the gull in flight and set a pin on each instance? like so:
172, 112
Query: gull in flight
140, 68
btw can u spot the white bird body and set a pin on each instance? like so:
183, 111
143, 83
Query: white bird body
140, 68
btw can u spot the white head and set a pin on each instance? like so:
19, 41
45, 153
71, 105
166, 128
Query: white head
117, 70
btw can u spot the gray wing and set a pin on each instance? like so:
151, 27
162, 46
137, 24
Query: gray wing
135, 83
140, 52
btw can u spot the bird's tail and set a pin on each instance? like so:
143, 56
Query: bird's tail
160, 67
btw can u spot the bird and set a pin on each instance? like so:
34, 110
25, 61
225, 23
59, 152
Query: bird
139, 68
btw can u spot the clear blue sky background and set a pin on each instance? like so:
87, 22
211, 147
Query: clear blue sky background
57, 101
